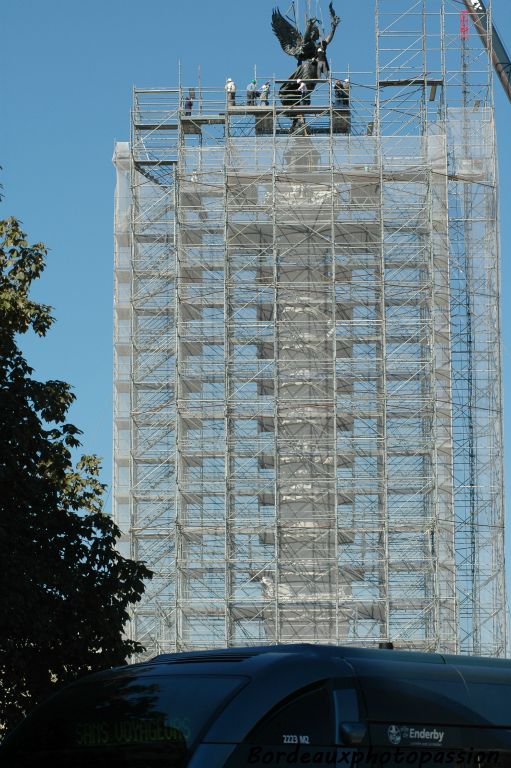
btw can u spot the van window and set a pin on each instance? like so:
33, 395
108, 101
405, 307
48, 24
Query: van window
304, 718
346, 705
491, 702
131, 720
490, 692
421, 693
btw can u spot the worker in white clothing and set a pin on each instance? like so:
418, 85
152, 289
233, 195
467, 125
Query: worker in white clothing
230, 87
265, 94
303, 91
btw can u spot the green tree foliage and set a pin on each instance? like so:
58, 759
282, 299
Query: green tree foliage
64, 589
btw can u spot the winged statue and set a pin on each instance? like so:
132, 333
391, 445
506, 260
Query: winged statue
308, 49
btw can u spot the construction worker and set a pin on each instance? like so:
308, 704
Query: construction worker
342, 120
265, 94
230, 87
342, 93
188, 104
303, 91
252, 93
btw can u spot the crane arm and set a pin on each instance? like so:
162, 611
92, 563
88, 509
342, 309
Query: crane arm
492, 42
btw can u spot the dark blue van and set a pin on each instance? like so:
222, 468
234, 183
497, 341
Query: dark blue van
276, 706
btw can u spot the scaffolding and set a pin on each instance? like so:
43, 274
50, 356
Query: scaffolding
307, 365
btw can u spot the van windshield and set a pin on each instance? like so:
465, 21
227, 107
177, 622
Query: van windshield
131, 720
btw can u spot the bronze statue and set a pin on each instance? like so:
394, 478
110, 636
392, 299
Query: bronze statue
309, 51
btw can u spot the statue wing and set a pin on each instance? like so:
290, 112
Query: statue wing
288, 36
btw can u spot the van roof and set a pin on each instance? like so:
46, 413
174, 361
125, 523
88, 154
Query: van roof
325, 652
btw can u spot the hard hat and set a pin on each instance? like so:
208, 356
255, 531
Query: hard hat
347, 80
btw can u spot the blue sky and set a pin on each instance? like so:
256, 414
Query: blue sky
66, 82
